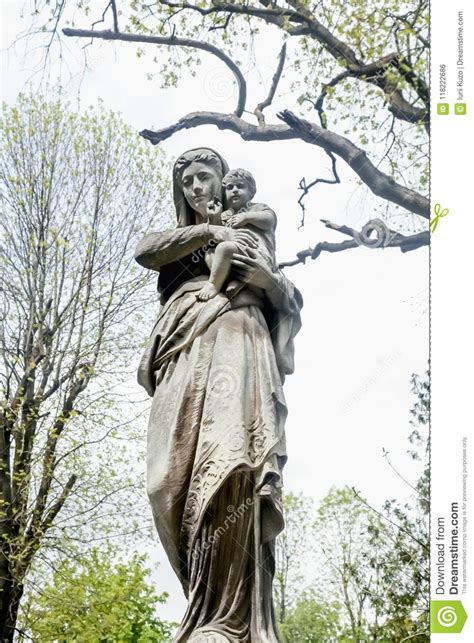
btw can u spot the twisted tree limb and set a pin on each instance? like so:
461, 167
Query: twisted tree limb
297, 128
385, 238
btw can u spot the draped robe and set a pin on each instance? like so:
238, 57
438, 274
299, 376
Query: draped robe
216, 442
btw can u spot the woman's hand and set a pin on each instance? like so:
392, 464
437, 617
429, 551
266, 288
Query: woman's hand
255, 271
214, 209
240, 237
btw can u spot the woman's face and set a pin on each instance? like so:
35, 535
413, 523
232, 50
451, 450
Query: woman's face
201, 183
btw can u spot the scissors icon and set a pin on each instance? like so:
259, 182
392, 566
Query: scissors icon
439, 214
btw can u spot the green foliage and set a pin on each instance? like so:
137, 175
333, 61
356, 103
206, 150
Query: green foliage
405, 564
355, 107
359, 68
377, 562
371, 568
349, 534
98, 599
78, 191
312, 621
293, 547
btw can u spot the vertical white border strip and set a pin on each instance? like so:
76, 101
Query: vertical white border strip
452, 311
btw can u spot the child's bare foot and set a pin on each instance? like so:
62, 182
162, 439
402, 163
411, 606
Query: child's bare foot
207, 292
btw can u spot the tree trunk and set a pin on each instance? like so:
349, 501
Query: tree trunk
282, 607
10, 596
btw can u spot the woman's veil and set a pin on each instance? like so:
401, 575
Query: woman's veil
184, 213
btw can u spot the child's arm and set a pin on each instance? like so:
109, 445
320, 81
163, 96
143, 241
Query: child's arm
262, 218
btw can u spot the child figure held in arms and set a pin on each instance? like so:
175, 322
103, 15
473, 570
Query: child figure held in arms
240, 188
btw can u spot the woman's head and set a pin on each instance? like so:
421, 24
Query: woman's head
197, 178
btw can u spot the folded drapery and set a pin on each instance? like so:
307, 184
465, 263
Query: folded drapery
216, 449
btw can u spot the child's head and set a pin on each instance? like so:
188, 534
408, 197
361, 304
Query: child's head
240, 187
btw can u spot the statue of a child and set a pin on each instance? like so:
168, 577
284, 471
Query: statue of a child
239, 186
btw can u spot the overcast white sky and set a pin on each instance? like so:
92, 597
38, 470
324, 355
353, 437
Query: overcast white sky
365, 321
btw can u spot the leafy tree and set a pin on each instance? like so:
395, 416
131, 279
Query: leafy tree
379, 562
350, 536
291, 553
98, 599
76, 195
371, 576
374, 564
405, 563
312, 621
354, 73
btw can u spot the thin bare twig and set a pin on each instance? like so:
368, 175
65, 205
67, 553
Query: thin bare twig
271, 94
423, 545
385, 455
306, 187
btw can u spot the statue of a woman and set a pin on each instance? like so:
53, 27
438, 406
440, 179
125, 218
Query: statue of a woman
216, 440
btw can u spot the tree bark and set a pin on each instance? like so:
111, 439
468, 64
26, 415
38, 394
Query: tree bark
295, 127
10, 596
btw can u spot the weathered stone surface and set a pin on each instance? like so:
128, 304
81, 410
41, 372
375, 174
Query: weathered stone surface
215, 367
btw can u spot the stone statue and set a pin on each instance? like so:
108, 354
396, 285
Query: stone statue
216, 440
239, 187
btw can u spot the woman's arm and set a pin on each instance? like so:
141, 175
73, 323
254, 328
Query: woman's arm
255, 271
285, 301
157, 249
277, 292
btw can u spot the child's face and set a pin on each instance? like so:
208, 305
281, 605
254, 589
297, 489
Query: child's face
237, 193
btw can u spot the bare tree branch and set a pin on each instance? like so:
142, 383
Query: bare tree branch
115, 15
375, 73
306, 187
361, 239
381, 184
234, 8
171, 41
271, 94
